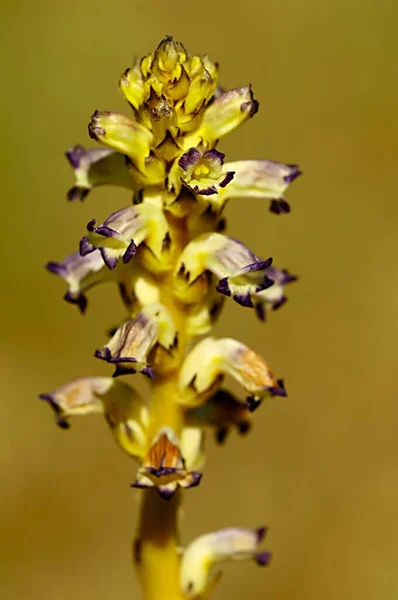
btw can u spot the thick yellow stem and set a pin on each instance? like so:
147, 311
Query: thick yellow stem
156, 549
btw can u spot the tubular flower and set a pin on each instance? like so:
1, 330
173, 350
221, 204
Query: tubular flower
94, 167
210, 360
174, 266
197, 579
221, 412
164, 467
133, 346
263, 179
120, 235
123, 408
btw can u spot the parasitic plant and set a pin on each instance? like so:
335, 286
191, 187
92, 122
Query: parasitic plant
174, 266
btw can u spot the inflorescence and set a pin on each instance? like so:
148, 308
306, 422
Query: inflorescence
174, 266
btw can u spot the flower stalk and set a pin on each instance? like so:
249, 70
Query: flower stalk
174, 267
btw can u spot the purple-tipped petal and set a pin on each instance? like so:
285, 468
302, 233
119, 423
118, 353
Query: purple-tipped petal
263, 559
227, 179
294, 174
261, 533
223, 287
105, 231
61, 422
259, 308
130, 252
189, 159
243, 300
56, 268
108, 258
79, 300
279, 207
85, 247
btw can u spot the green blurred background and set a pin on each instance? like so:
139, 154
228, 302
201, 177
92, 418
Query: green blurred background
321, 467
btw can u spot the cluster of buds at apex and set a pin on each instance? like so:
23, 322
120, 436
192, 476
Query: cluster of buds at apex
174, 267
197, 577
164, 467
206, 365
145, 344
123, 408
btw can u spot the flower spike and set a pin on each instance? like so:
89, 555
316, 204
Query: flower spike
174, 265
210, 360
207, 551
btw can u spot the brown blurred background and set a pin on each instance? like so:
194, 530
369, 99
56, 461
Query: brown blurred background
321, 467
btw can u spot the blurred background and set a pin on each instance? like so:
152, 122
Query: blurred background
320, 467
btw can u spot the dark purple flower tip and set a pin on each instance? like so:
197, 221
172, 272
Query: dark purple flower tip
260, 311
80, 301
189, 158
56, 268
208, 191
149, 372
77, 193
215, 155
196, 479
258, 265
161, 471
263, 558
265, 284
85, 247
288, 277
103, 354
223, 287
104, 230
61, 422
221, 434
75, 155
293, 175
261, 533
243, 300
130, 252
228, 177
244, 427
165, 493
123, 370
91, 225
109, 260
279, 390
253, 403
119, 359
279, 207
279, 303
